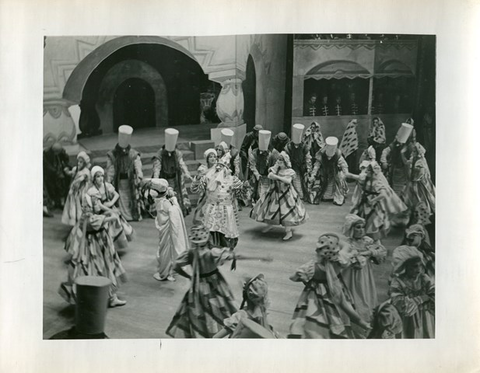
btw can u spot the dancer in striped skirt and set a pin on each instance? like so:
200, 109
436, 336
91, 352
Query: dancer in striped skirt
281, 204
324, 310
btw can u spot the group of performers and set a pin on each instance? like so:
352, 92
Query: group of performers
276, 178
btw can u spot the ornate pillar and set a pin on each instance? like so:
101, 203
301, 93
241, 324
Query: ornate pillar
230, 103
58, 124
230, 106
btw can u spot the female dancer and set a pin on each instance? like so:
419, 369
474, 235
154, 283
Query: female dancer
79, 186
120, 230
419, 188
92, 252
375, 201
413, 293
210, 156
359, 277
209, 300
281, 204
254, 308
324, 309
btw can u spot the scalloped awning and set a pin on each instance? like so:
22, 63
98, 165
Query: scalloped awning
338, 70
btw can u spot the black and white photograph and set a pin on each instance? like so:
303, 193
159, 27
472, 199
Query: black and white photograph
243, 186
239, 186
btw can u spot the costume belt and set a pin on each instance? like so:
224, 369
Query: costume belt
208, 274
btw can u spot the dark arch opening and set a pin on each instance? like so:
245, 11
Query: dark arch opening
249, 87
134, 104
183, 77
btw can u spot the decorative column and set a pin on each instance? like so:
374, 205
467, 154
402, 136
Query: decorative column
230, 106
58, 124
230, 103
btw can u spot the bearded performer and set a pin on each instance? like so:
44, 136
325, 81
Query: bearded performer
261, 159
300, 159
168, 164
124, 172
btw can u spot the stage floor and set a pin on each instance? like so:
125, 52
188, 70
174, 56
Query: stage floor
152, 304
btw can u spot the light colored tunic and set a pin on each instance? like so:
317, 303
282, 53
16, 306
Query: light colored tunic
172, 234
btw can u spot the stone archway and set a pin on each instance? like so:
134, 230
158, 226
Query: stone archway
118, 74
76, 82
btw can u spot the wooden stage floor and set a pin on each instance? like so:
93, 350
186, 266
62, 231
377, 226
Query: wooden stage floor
151, 304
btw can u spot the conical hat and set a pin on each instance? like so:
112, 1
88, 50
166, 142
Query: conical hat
227, 136
124, 135
404, 133
297, 133
331, 144
171, 137
264, 139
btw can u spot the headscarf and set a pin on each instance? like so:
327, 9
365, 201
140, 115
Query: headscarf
310, 136
349, 142
402, 254
223, 146
415, 229
208, 152
350, 221
286, 159
85, 157
95, 170
377, 131
255, 288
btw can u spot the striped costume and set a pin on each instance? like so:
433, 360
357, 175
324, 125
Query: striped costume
209, 301
92, 254
317, 315
281, 204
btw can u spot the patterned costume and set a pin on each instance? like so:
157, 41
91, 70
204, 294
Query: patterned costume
220, 210
375, 201
260, 160
80, 183
349, 145
327, 179
359, 277
119, 229
395, 157
377, 137
124, 172
199, 213
320, 310
414, 297
313, 139
92, 252
209, 301
168, 164
280, 205
419, 188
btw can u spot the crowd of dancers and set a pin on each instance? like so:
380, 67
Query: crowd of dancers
275, 177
